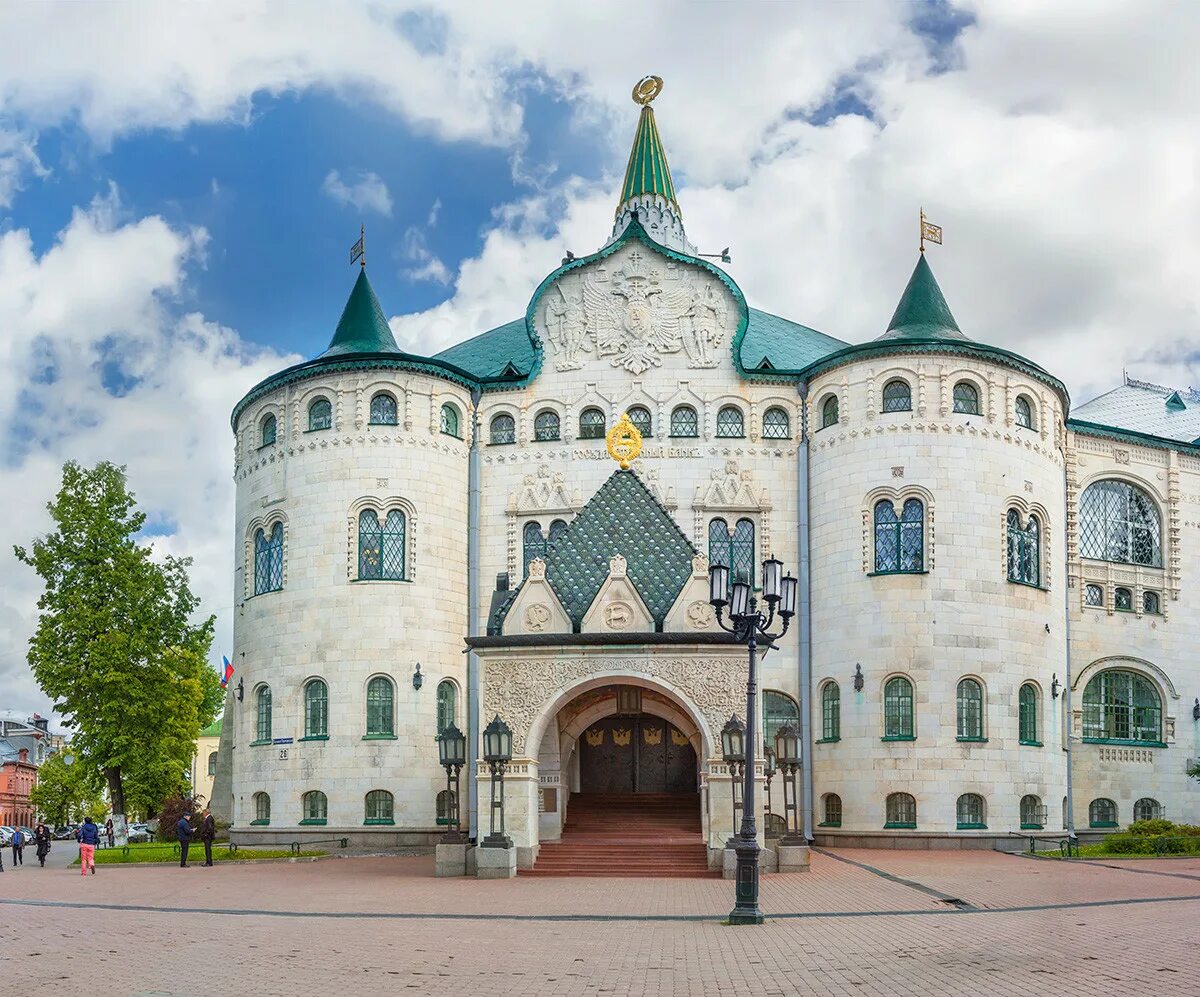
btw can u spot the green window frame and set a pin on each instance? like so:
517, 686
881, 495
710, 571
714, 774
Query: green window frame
639, 415
900, 811
897, 396
450, 421
1120, 522
831, 712
546, 426
1151, 604
379, 808
382, 548
381, 707
383, 410
262, 728
1027, 715
778, 709
684, 422
262, 809
268, 560
829, 412
320, 415
966, 398
969, 703
898, 710
1032, 818
899, 540
533, 545
316, 708
502, 430
1123, 707
447, 705
591, 424
1147, 808
970, 813
776, 424
1123, 599
268, 429
1024, 412
735, 550
444, 805
832, 807
1024, 549
1102, 812
314, 807
731, 424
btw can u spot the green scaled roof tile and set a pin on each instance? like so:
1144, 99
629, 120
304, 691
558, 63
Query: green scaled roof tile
647, 172
363, 328
493, 353
923, 312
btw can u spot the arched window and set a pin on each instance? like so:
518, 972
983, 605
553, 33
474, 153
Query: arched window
262, 727
1123, 600
1150, 603
503, 430
591, 424
684, 421
966, 398
383, 410
736, 552
639, 415
381, 715
900, 542
212, 763
778, 709
316, 708
730, 424
1032, 818
1102, 813
1027, 715
267, 429
268, 560
897, 396
534, 542
1147, 809
1024, 550
1121, 706
831, 712
970, 812
1065, 814
447, 696
315, 807
320, 415
450, 421
1119, 522
829, 412
970, 710
445, 807
898, 710
901, 811
1024, 412
262, 809
380, 807
557, 529
1093, 595
832, 806
382, 550
546, 426
776, 424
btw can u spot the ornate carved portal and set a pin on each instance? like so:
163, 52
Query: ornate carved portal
638, 754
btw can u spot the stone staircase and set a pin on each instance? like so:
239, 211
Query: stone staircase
644, 835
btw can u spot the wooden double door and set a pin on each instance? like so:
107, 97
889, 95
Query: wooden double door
635, 754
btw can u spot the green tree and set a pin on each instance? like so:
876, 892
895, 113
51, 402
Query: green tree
115, 644
65, 792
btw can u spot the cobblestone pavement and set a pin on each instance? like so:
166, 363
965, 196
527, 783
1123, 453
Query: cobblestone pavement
862, 922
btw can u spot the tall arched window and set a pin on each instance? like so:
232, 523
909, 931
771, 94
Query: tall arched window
900, 541
268, 560
320, 415
450, 421
212, 763
970, 710
382, 549
898, 710
534, 544
1032, 818
970, 812
267, 429
831, 712
315, 807
546, 426
380, 807
901, 811
557, 529
730, 424
1122, 706
778, 709
684, 421
1027, 720
776, 424
829, 412
639, 415
444, 807
447, 696
503, 430
966, 398
383, 410
1120, 522
591, 424
1024, 550
832, 806
262, 726
1147, 809
1024, 412
262, 809
381, 714
316, 709
897, 396
1102, 813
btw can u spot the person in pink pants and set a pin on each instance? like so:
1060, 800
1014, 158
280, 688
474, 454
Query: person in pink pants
87, 857
89, 838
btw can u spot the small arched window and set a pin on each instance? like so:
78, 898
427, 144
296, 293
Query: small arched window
380, 808
900, 541
1024, 412
898, 710
381, 714
591, 424
684, 421
829, 412
966, 398
897, 396
262, 726
831, 712
316, 708
212, 763
1102, 813
1122, 706
1120, 522
901, 811
267, 429
315, 807
1093, 595
639, 415
268, 560
1123, 600
776, 424
970, 710
262, 809
1150, 603
778, 709
1032, 818
450, 421
546, 426
444, 806
447, 698
382, 548
970, 812
503, 430
534, 544
1024, 549
730, 424
1147, 809
1027, 715
832, 806
557, 529
320, 415
383, 410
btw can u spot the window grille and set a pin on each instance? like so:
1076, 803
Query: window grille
776, 425
829, 412
736, 552
447, 695
1123, 600
268, 560
1150, 603
1024, 549
383, 410
900, 542
533, 545
730, 424
450, 420
966, 398
268, 429
639, 415
320, 415
591, 424
1121, 706
1093, 595
897, 396
778, 710
1119, 522
684, 422
382, 549
546, 426
1024, 412
503, 430
380, 712
898, 708
970, 710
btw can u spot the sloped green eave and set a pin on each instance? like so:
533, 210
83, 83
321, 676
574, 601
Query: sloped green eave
922, 312
787, 345
647, 171
213, 729
1132, 436
363, 328
489, 354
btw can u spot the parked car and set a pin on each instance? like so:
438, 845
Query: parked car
138, 833
64, 832
6, 836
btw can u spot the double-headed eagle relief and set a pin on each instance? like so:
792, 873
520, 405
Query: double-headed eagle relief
636, 315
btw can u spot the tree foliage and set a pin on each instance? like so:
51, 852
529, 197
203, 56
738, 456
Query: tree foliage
176, 806
115, 644
66, 793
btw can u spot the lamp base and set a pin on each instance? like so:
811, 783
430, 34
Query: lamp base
453, 837
496, 840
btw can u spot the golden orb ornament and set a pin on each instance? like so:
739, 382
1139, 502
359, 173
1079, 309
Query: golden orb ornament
624, 442
646, 89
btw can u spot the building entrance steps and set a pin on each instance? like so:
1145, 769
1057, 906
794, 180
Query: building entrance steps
647, 835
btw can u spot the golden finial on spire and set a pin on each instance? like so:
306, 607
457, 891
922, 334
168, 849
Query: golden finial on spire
929, 231
646, 89
624, 442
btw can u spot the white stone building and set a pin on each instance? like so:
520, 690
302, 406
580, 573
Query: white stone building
994, 585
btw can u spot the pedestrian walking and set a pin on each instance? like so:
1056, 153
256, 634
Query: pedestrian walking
183, 831
108, 831
89, 838
18, 846
208, 831
41, 835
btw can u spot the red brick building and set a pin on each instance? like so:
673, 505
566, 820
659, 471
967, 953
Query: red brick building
18, 776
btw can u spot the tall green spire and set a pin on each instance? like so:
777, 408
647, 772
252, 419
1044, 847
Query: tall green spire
647, 172
363, 328
922, 312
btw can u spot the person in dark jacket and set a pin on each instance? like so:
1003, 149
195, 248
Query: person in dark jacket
108, 831
41, 835
183, 831
208, 831
89, 838
18, 845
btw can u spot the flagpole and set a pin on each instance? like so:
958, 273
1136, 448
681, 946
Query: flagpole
922, 230
362, 237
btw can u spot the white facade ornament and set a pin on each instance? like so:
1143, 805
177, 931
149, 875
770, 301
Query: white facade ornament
618, 615
617, 566
537, 616
537, 569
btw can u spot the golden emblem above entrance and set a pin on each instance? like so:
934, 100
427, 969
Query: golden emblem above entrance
624, 442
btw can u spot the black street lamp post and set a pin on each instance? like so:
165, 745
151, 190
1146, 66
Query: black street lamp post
497, 752
452, 753
748, 624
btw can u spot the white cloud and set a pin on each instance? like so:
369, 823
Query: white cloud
367, 193
18, 157
415, 250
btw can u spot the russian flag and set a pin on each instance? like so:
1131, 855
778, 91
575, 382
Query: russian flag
228, 672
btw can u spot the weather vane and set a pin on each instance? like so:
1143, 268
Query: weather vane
646, 89
359, 250
929, 231
624, 442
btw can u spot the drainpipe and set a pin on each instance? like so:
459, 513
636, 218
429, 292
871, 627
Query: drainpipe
805, 585
1066, 713
473, 472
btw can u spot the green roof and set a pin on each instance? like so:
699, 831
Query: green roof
487, 355
363, 328
923, 312
647, 172
783, 344
213, 729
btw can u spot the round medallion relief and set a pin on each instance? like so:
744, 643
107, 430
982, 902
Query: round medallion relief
618, 615
537, 615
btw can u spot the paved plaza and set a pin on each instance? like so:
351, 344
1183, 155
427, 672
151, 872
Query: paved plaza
861, 922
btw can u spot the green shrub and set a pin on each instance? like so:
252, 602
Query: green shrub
1156, 826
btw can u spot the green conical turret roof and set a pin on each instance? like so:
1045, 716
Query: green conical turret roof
363, 328
923, 312
647, 172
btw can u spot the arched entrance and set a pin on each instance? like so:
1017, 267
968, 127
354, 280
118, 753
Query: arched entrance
638, 753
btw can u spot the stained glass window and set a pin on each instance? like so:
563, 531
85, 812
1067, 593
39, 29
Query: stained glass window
776, 425
447, 696
382, 550
267, 430
1123, 600
316, 709
316, 807
380, 713
1093, 595
970, 709
969, 812
833, 810
320, 415
897, 396
1024, 549
684, 421
1024, 412
1120, 522
778, 710
829, 412
591, 424
901, 810
639, 415
534, 543
1147, 809
383, 410
730, 424
1150, 603
546, 426
450, 420
503, 430
1031, 813
898, 708
831, 712
1102, 813
262, 808
1027, 719
1121, 706
900, 542
262, 727
966, 398
268, 560
380, 807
